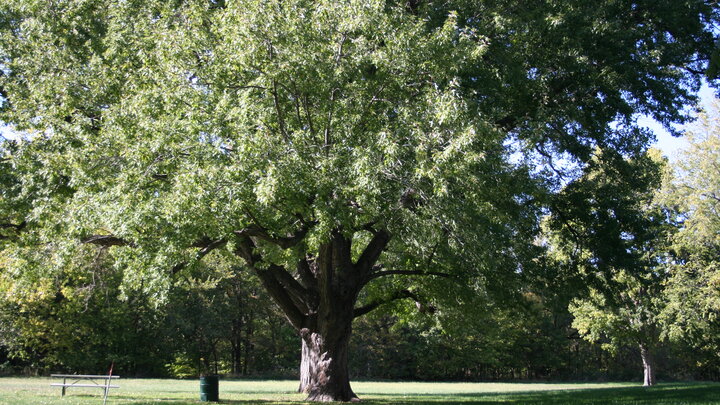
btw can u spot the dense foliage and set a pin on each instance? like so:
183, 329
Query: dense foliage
692, 193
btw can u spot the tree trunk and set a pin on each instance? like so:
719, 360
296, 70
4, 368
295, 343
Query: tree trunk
236, 346
648, 366
319, 302
304, 368
324, 372
247, 344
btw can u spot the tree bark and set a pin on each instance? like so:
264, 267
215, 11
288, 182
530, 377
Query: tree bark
247, 345
304, 368
326, 333
648, 366
324, 367
236, 346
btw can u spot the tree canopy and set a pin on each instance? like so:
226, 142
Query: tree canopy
330, 147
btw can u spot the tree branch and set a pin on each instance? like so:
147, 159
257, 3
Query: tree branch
278, 110
296, 102
566, 222
207, 245
540, 150
244, 87
507, 123
379, 274
107, 240
308, 116
17, 227
372, 251
693, 71
712, 196
283, 242
246, 250
326, 137
306, 274
281, 297
360, 126
3, 91
369, 226
398, 295
301, 296
269, 278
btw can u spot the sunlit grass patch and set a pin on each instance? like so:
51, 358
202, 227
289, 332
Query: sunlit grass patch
34, 391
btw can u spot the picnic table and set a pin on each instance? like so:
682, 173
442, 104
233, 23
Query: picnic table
85, 380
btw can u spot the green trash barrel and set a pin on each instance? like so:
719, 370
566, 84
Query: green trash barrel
209, 388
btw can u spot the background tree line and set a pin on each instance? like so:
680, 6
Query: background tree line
660, 293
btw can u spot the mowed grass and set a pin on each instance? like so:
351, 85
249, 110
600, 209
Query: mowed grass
37, 391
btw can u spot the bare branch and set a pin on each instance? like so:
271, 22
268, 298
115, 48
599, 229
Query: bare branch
301, 296
434, 250
159, 176
693, 71
107, 240
278, 111
308, 116
507, 123
372, 251
385, 273
326, 136
567, 223
339, 54
540, 150
712, 196
398, 295
369, 226
270, 280
366, 108
17, 227
246, 87
281, 297
246, 250
307, 277
283, 242
207, 245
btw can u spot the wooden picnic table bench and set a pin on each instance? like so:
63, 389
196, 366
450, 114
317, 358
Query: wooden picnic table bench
80, 380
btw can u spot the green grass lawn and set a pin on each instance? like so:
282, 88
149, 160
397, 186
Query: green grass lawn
37, 391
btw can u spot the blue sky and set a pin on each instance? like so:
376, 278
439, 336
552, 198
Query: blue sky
5, 131
670, 145
667, 143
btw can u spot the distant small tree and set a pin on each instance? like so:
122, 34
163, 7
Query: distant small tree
691, 192
615, 241
631, 318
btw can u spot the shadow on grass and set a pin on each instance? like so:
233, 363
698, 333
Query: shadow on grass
685, 394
